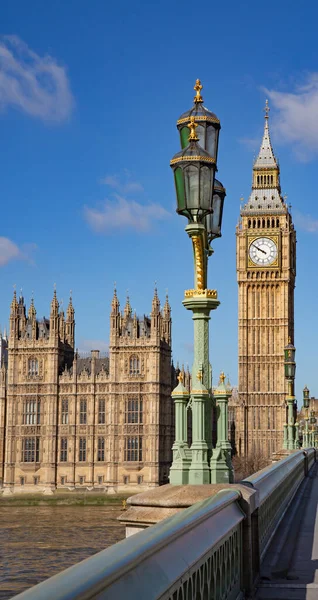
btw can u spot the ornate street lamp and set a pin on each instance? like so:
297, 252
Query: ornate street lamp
290, 370
208, 124
194, 171
306, 406
200, 199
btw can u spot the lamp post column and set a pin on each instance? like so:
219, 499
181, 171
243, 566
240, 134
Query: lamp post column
306, 407
221, 463
297, 445
200, 301
179, 471
306, 440
291, 426
290, 370
285, 443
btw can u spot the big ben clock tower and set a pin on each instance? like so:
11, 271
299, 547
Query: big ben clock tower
266, 270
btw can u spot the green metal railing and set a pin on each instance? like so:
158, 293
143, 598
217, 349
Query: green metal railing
276, 486
211, 550
194, 554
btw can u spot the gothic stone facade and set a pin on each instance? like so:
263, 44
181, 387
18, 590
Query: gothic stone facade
266, 270
98, 422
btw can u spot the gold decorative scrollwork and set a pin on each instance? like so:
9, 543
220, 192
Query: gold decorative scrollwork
199, 261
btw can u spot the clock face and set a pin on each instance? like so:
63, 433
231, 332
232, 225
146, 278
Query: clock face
263, 251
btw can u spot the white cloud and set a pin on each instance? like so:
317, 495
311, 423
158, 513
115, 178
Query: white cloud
10, 251
35, 84
305, 222
122, 214
128, 187
296, 123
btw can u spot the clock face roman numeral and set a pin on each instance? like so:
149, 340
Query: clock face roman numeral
263, 251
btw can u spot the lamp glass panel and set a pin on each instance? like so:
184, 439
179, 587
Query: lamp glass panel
191, 181
211, 142
206, 175
184, 136
179, 182
217, 215
201, 133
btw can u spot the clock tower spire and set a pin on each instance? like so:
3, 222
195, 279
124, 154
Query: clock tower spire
266, 270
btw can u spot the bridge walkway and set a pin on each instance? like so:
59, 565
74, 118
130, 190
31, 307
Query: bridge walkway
289, 570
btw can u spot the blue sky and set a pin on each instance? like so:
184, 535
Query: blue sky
89, 97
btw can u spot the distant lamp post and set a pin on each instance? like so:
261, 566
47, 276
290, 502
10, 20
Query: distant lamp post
200, 199
290, 371
306, 407
312, 421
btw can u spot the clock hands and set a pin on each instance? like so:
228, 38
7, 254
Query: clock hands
260, 249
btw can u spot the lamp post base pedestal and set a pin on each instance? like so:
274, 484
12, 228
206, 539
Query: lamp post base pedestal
221, 467
179, 471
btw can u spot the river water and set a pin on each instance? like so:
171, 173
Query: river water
37, 542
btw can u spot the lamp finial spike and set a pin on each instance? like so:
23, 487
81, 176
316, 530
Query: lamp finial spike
198, 87
192, 126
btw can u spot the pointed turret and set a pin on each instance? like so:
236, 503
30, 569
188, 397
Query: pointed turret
156, 317
155, 302
70, 323
115, 304
114, 317
62, 324
32, 311
21, 314
266, 191
166, 321
14, 329
127, 309
32, 318
54, 317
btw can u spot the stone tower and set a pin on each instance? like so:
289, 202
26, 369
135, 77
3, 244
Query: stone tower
266, 270
140, 394
38, 352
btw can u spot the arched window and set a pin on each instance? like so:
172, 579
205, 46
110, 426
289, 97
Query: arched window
32, 412
83, 412
273, 222
33, 367
134, 365
249, 223
277, 222
268, 223
64, 411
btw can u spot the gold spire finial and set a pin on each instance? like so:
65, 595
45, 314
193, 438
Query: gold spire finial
266, 109
222, 377
192, 126
198, 87
180, 377
289, 339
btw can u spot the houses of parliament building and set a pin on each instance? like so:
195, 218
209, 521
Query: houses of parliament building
93, 422
108, 422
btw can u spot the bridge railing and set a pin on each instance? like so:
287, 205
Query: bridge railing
209, 550
276, 486
194, 554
